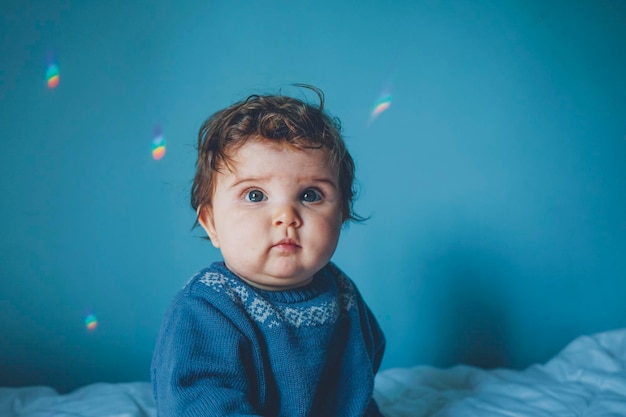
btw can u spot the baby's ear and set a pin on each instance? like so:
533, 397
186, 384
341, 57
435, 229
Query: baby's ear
205, 218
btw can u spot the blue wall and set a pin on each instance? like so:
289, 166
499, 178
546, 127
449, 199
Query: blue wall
495, 181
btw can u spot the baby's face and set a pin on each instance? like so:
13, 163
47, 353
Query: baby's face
277, 216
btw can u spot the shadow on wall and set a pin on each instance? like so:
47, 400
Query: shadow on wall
471, 309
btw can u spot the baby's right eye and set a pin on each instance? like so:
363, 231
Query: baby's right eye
255, 196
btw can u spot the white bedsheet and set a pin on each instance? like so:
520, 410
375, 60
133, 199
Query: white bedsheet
96, 400
588, 378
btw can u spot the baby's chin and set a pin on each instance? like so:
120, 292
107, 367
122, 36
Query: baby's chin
279, 279
277, 283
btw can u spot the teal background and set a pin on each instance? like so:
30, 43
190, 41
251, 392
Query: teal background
495, 182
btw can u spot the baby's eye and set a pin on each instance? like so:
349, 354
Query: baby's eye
310, 195
254, 196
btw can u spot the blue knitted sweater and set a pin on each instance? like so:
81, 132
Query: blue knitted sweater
229, 349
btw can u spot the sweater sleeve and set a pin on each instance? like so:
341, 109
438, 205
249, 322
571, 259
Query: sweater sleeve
198, 367
375, 340
378, 341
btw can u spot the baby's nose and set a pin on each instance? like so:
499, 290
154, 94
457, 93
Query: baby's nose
286, 214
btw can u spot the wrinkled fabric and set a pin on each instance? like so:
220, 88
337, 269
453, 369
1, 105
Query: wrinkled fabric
587, 378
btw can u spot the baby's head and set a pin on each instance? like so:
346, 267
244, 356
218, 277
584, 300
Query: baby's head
278, 118
274, 184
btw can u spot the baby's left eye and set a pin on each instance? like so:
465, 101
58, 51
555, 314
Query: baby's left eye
310, 196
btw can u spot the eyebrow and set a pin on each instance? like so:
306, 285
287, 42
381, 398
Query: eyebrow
324, 180
239, 181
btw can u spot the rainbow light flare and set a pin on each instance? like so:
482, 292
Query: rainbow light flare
52, 76
382, 104
158, 144
91, 322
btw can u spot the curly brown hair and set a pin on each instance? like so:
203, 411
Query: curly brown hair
276, 118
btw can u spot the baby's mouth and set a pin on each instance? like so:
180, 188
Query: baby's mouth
288, 245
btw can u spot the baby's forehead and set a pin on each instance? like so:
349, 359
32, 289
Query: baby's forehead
277, 148
261, 142
269, 156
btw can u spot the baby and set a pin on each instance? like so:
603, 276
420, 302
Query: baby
276, 329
